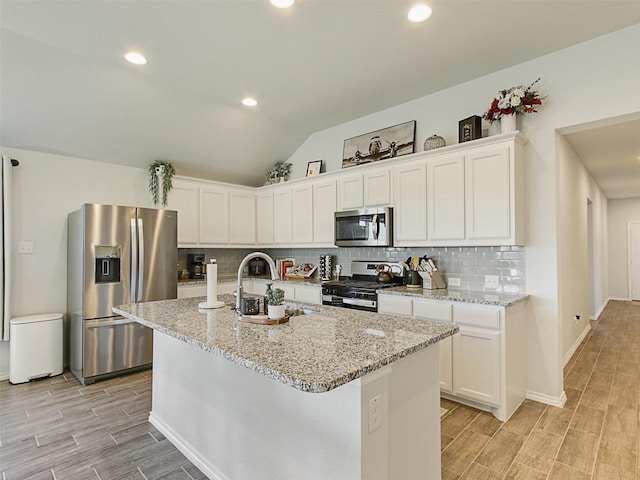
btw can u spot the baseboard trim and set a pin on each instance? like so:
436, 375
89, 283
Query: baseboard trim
4, 376
600, 310
187, 449
575, 345
548, 399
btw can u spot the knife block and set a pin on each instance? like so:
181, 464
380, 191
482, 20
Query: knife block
432, 281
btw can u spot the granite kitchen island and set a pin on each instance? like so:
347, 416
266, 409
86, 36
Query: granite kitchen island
332, 394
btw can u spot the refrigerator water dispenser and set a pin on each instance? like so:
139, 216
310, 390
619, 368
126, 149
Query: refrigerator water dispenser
108, 263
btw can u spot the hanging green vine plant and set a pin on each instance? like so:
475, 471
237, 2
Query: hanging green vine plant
166, 171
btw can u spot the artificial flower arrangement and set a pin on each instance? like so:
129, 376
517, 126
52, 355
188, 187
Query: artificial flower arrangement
513, 101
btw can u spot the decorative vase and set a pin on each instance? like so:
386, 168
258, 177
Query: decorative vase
276, 312
282, 179
508, 123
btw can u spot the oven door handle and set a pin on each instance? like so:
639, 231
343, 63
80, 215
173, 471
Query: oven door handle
359, 302
375, 227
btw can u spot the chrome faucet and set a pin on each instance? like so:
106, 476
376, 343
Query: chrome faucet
243, 263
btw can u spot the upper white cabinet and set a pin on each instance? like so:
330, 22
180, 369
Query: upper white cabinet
282, 216
324, 208
445, 198
369, 188
212, 214
462, 195
471, 197
488, 193
184, 197
302, 214
410, 211
264, 218
242, 208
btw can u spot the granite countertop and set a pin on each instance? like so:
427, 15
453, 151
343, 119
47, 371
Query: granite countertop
465, 296
314, 352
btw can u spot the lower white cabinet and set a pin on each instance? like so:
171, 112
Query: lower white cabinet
484, 364
298, 293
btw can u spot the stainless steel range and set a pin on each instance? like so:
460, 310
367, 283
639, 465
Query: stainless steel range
359, 291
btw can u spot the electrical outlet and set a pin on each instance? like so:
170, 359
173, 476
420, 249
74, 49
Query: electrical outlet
491, 281
577, 319
375, 413
25, 247
453, 281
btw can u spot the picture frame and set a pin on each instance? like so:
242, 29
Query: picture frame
314, 168
381, 144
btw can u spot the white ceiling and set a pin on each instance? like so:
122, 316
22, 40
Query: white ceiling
66, 88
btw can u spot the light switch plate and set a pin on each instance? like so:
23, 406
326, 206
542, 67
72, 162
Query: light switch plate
453, 281
25, 247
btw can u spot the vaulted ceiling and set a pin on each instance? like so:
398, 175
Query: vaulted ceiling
67, 89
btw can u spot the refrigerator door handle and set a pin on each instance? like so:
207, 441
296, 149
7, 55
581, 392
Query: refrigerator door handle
134, 260
141, 260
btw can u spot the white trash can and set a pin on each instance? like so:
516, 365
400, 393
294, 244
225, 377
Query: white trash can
35, 347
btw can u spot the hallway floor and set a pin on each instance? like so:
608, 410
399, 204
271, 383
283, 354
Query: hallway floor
595, 435
57, 429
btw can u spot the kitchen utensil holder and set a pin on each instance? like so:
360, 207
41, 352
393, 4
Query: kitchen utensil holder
432, 281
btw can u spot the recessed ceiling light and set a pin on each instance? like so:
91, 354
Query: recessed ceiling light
249, 102
135, 57
419, 13
282, 3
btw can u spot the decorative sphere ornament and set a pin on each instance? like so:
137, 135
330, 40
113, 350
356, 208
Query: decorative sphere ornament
434, 141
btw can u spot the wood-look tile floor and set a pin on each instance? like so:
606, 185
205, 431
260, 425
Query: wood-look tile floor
595, 435
57, 429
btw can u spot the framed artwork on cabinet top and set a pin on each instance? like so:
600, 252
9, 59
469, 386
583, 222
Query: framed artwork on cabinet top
314, 168
381, 144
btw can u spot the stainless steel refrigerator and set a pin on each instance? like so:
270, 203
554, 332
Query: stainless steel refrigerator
116, 255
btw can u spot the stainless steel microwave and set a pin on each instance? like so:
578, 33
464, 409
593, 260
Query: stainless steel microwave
369, 227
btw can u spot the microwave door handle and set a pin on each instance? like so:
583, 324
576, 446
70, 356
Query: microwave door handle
375, 227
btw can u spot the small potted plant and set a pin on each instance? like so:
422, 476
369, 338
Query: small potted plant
275, 299
283, 169
161, 173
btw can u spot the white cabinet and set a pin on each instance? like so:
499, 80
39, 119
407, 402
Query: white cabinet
472, 197
485, 362
264, 218
302, 214
184, 198
298, 293
242, 217
477, 365
324, 207
282, 216
445, 198
188, 291
369, 188
351, 191
488, 198
214, 215
410, 212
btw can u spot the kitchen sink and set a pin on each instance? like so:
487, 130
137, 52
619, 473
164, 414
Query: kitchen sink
295, 310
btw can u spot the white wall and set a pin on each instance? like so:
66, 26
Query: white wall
576, 188
620, 212
579, 81
46, 188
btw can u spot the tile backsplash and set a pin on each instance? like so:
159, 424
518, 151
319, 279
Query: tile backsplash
469, 264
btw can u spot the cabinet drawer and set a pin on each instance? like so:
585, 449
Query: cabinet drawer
477, 316
431, 310
394, 305
309, 295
